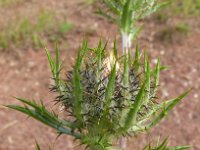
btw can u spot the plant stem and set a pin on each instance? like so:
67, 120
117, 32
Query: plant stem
126, 45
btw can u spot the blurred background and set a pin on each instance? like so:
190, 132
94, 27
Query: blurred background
173, 33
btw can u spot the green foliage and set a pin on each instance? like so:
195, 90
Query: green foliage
4, 3
163, 146
22, 33
37, 146
39, 112
98, 99
171, 32
179, 8
184, 8
182, 28
127, 12
161, 17
89, 1
65, 27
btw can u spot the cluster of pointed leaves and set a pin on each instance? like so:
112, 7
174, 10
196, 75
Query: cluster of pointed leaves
126, 12
106, 99
163, 146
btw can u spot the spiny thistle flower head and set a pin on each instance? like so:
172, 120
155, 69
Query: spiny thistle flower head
107, 95
110, 95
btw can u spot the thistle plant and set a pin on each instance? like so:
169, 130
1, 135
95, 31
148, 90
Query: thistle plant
126, 13
107, 95
101, 106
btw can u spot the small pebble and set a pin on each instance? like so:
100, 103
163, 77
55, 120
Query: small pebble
172, 76
37, 83
162, 52
5, 89
12, 63
165, 93
26, 75
190, 116
155, 61
196, 95
194, 70
10, 140
185, 84
96, 25
31, 64
24, 89
17, 71
61, 108
37, 94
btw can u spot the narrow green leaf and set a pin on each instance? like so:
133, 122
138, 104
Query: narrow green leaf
44, 119
126, 17
148, 83
113, 6
162, 68
104, 49
146, 122
126, 71
115, 49
37, 146
78, 93
157, 78
163, 145
99, 59
132, 114
159, 6
51, 62
110, 88
55, 69
136, 64
57, 60
41, 108
145, 61
167, 109
81, 54
180, 148
106, 15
